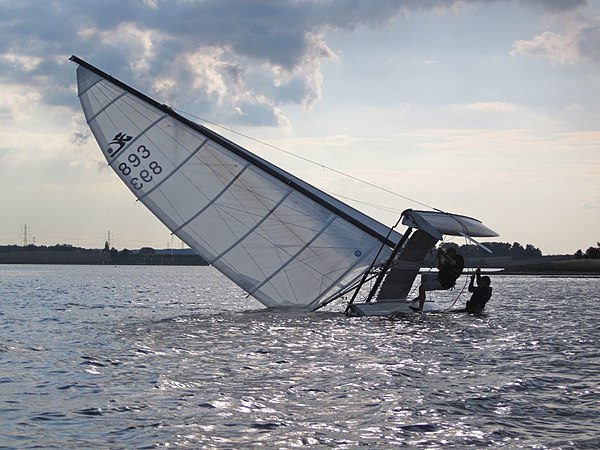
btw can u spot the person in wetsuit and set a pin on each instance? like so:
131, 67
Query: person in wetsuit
481, 293
450, 265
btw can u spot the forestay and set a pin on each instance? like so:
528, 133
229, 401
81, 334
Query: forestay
280, 239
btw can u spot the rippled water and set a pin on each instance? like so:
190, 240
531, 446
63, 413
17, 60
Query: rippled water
142, 357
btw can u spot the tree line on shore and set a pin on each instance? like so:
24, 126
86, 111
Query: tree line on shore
515, 250
590, 253
69, 254
34, 248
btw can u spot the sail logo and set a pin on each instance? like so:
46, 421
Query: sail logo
120, 141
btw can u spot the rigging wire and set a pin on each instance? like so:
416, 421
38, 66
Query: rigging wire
457, 297
372, 205
339, 172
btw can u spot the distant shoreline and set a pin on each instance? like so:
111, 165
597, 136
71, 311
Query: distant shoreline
547, 274
559, 265
571, 267
67, 255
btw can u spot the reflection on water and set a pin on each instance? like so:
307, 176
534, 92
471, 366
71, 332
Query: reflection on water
156, 356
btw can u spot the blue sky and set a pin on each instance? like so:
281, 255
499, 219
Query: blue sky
486, 108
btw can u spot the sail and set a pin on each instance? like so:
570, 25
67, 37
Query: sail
283, 241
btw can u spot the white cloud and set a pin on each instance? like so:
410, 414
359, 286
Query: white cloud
557, 48
23, 63
575, 45
282, 42
492, 107
208, 70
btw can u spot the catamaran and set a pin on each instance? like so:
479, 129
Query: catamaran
280, 239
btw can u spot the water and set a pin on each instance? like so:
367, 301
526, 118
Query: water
144, 357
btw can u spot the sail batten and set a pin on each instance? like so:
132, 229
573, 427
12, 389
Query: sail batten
277, 237
254, 227
227, 186
101, 110
175, 170
292, 257
81, 92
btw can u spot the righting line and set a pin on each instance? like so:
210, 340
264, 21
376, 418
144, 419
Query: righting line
227, 186
176, 169
251, 230
294, 256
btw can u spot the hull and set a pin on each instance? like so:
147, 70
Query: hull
390, 308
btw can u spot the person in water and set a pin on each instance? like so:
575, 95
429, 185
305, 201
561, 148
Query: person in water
450, 265
481, 293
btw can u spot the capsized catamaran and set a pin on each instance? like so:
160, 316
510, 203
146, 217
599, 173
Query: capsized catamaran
396, 277
283, 241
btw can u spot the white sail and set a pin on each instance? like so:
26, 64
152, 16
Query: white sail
280, 239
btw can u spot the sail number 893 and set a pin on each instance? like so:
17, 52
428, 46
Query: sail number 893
133, 162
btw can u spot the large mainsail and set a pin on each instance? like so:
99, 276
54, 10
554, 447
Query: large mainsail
280, 239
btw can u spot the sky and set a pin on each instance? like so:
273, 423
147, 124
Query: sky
488, 108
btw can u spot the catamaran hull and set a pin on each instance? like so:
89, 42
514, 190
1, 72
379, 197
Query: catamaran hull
389, 308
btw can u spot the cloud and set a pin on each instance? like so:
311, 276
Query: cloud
579, 44
492, 107
80, 138
588, 41
212, 56
556, 5
557, 48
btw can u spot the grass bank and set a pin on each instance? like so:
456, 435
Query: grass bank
567, 267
